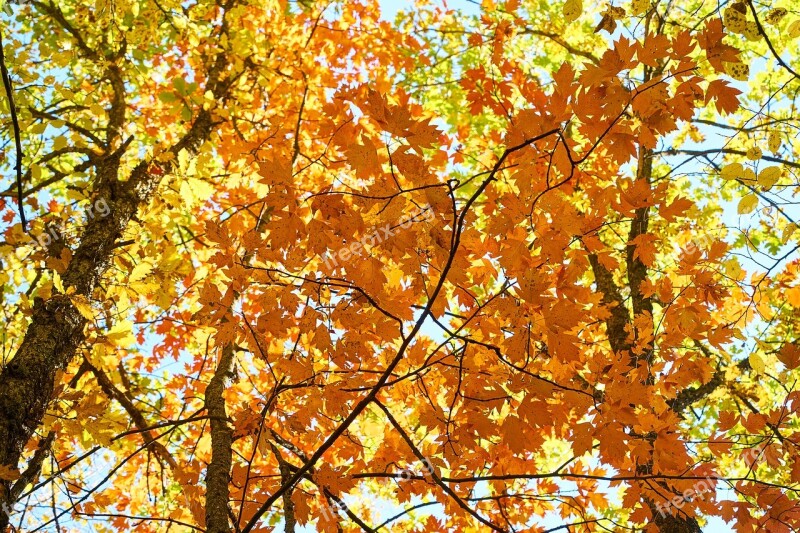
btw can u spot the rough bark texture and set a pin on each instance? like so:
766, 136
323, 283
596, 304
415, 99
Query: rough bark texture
620, 319
218, 471
619, 315
676, 524
56, 328
637, 271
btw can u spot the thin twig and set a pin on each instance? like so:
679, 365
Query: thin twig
17, 136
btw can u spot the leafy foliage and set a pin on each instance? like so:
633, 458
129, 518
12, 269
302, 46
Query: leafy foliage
510, 267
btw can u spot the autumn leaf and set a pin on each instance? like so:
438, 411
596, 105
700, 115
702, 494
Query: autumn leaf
789, 355
8, 473
732, 171
757, 363
724, 96
83, 306
774, 142
747, 204
769, 176
572, 10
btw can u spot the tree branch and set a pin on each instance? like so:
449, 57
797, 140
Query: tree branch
436, 478
56, 327
15, 126
218, 472
107, 386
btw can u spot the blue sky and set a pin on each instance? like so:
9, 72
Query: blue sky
390, 8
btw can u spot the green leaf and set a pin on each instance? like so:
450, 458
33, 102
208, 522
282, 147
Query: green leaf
166, 97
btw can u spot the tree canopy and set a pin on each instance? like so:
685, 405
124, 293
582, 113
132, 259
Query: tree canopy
507, 265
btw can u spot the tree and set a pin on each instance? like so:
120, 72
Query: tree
514, 267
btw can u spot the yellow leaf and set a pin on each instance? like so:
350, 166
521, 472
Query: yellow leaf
737, 70
99, 432
776, 15
140, 272
57, 283
734, 270
147, 288
754, 153
104, 356
373, 429
793, 296
263, 443
788, 231
163, 157
769, 176
734, 20
36, 172
774, 142
59, 143
195, 191
747, 204
83, 306
640, 7
121, 334
761, 345
793, 30
394, 276
572, 10
757, 363
751, 31
732, 171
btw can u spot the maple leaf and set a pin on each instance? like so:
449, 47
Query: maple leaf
724, 96
789, 355
710, 39
676, 208
645, 249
